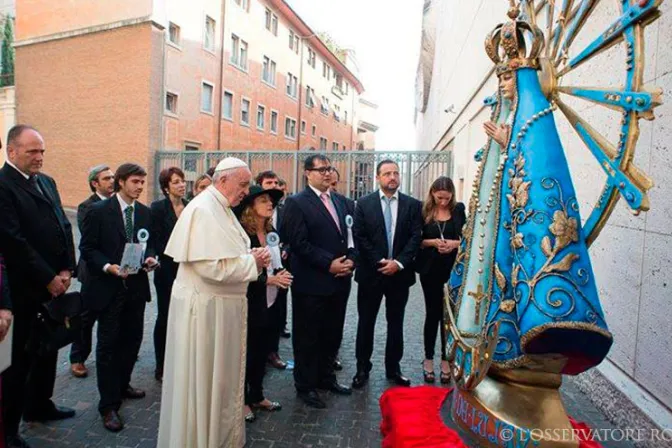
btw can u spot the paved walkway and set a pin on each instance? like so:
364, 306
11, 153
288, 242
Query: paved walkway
347, 422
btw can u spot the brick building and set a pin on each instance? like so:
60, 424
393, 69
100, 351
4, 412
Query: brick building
109, 82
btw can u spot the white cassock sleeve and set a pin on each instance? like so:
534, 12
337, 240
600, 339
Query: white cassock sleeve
229, 270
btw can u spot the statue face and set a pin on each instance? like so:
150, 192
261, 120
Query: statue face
507, 85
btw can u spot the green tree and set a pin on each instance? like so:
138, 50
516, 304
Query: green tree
7, 73
332, 45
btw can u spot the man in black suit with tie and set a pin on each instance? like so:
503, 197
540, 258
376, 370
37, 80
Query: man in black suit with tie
36, 241
388, 232
117, 298
101, 183
314, 226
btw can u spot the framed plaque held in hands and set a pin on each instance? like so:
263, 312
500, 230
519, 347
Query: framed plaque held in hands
134, 254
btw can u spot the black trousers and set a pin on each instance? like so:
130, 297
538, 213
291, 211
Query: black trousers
164, 289
120, 327
369, 298
433, 290
277, 320
81, 348
28, 384
317, 336
258, 341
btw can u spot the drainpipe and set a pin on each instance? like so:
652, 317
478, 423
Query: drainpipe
352, 120
221, 80
298, 123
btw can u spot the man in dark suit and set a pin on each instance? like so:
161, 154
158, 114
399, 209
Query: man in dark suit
101, 183
36, 241
314, 227
117, 298
388, 232
268, 180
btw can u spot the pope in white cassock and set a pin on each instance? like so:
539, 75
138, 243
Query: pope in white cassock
204, 374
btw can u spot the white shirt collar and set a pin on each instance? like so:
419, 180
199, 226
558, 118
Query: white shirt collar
319, 193
26, 176
395, 195
123, 203
102, 198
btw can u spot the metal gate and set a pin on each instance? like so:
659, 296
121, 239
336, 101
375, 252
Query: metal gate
357, 169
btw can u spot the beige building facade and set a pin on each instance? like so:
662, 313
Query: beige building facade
116, 81
632, 258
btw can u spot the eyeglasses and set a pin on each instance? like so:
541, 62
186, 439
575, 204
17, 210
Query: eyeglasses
323, 170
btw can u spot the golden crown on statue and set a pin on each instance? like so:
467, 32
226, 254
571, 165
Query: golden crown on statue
506, 44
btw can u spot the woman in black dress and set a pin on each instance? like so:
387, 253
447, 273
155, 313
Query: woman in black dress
164, 216
256, 212
443, 220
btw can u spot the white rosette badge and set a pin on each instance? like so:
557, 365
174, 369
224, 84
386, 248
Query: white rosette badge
273, 243
349, 222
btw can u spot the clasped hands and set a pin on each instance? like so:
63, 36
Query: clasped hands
6, 318
262, 256
60, 284
342, 267
446, 246
499, 133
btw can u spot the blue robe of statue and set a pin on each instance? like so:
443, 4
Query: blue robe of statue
523, 260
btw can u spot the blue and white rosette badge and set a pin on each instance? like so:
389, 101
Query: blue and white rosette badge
143, 237
273, 242
349, 222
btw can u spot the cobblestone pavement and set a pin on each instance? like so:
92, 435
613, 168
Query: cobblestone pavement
347, 422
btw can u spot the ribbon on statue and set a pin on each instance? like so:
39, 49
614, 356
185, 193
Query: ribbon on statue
349, 223
273, 243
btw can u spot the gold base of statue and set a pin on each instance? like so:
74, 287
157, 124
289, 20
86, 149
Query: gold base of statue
515, 408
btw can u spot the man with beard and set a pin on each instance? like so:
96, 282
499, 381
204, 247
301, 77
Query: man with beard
387, 232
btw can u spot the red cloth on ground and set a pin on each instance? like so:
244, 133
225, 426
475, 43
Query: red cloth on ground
583, 432
412, 418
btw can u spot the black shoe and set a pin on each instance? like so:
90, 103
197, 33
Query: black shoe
158, 375
360, 379
16, 442
112, 422
312, 399
337, 365
399, 379
286, 334
336, 388
132, 393
53, 413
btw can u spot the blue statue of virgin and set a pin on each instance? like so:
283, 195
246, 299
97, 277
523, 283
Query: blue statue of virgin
522, 286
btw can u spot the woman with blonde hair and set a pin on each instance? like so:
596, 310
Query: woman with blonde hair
443, 220
256, 211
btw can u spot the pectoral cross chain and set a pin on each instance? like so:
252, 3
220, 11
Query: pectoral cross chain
478, 296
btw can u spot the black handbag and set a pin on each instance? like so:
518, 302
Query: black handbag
61, 321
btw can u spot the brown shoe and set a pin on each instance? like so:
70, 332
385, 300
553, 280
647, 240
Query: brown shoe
275, 360
112, 421
79, 370
133, 393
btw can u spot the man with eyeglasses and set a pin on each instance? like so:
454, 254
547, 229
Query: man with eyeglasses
315, 228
